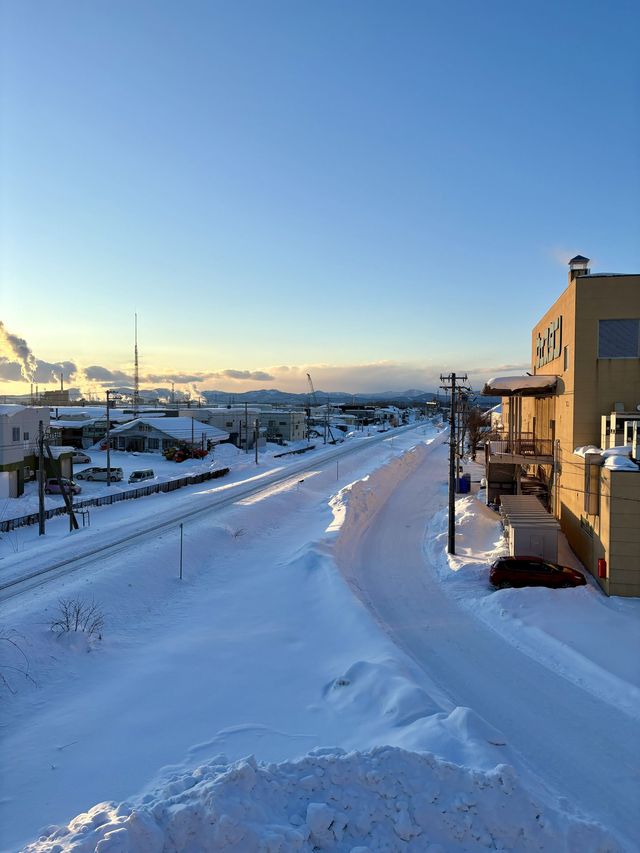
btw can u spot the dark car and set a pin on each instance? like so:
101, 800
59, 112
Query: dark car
533, 571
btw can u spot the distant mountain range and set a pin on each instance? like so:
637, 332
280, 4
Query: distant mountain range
275, 397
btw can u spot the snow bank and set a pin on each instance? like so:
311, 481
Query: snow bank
385, 799
355, 505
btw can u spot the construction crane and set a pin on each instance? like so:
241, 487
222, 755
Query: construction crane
314, 399
314, 396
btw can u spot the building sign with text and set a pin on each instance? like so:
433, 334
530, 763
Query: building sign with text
549, 343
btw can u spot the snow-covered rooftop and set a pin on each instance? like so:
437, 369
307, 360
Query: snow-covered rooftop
60, 450
528, 386
180, 428
73, 423
11, 408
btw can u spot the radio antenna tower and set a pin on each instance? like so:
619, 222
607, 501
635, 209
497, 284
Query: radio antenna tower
136, 375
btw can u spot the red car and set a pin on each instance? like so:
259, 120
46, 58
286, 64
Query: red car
533, 571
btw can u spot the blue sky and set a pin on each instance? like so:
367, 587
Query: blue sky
375, 190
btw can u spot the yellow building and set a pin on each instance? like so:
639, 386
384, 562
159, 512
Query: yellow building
584, 382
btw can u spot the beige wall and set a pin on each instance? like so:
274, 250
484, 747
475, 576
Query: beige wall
600, 382
620, 530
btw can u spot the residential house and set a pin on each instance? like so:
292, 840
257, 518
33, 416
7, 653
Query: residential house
157, 434
238, 421
19, 446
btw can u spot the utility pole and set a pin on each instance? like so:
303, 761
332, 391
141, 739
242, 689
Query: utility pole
136, 373
246, 428
256, 436
66, 495
40, 479
449, 384
108, 439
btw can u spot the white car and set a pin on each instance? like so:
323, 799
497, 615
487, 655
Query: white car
100, 474
79, 456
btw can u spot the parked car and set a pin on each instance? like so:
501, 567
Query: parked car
55, 486
100, 474
79, 456
533, 571
138, 476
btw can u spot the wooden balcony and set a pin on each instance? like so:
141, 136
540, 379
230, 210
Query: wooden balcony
525, 449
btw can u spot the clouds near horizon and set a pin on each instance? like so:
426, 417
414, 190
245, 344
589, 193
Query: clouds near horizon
18, 364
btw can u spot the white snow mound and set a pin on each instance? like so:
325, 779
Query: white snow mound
386, 799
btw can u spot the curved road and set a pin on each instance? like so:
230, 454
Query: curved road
583, 748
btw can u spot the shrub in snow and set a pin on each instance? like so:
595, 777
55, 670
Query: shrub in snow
76, 615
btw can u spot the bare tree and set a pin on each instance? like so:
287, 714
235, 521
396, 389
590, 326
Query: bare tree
476, 423
16, 663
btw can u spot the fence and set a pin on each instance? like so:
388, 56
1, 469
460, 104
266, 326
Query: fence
295, 452
524, 444
141, 492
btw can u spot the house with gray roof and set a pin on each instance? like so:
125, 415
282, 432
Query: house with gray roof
156, 435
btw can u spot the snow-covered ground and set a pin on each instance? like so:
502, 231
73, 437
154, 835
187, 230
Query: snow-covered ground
242, 465
224, 455
587, 637
263, 649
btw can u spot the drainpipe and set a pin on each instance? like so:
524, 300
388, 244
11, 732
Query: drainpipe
554, 488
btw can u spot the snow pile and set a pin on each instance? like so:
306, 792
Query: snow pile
385, 799
615, 458
587, 448
621, 450
355, 505
620, 463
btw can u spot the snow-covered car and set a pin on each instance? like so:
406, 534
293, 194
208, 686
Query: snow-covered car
533, 571
55, 486
99, 474
79, 456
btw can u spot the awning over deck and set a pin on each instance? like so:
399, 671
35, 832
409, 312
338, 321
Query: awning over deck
521, 386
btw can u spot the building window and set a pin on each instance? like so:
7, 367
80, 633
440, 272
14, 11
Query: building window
619, 338
229, 423
25, 436
16, 433
154, 444
566, 358
283, 423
